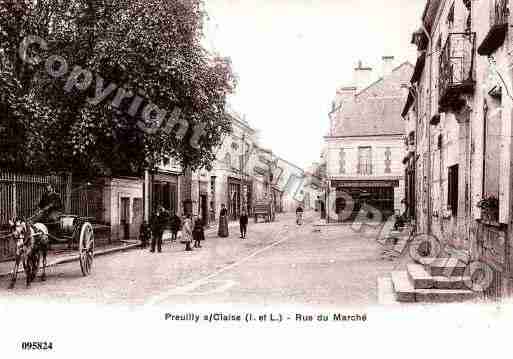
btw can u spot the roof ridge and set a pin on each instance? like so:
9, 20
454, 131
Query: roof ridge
381, 78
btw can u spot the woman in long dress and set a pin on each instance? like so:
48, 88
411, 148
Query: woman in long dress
223, 222
187, 233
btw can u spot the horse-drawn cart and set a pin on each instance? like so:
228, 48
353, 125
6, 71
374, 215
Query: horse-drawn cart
264, 209
33, 241
77, 231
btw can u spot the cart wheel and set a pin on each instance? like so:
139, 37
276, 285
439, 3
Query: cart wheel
86, 248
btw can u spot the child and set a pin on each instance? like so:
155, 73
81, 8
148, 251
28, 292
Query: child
198, 233
144, 234
187, 233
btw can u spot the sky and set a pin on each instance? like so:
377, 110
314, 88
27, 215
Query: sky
290, 56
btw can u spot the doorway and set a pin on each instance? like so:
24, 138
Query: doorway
234, 197
204, 209
124, 219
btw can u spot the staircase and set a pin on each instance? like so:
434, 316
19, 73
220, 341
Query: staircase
443, 281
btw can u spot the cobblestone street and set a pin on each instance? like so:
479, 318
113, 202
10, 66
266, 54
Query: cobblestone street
331, 267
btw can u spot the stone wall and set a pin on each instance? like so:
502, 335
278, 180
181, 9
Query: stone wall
116, 192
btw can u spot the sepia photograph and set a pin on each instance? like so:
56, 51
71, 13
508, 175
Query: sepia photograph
249, 178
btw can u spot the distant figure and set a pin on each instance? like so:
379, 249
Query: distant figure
176, 223
144, 234
198, 233
299, 215
187, 233
223, 222
158, 223
243, 221
50, 206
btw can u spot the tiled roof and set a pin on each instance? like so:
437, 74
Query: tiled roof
376, 110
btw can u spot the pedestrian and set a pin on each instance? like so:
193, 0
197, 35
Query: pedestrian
198, 232
243, 221
299, 215
144, 234
176, 223
223, 222
187, 233
157, 229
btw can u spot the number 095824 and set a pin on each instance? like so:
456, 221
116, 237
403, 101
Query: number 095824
36, 345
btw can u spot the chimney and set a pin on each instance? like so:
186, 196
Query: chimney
362, 76
388, 65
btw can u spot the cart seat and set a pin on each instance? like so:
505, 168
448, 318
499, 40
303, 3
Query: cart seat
67, 223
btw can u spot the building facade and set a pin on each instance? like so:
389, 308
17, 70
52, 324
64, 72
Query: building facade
364, 148
459, 118
230, 182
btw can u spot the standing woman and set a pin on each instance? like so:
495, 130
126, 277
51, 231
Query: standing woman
223, 222
187, 233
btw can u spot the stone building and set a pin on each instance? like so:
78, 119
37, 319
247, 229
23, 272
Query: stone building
460, 128
231, 182
364, 148
245, 172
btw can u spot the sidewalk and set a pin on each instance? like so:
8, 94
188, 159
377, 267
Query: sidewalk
60, 256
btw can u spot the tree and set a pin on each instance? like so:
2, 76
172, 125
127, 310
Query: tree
151, 48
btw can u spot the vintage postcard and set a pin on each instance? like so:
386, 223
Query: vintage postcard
255, 177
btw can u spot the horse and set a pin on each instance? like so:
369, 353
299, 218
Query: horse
32, 243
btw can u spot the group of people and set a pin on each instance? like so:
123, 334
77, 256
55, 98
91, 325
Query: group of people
191, 229
187, 229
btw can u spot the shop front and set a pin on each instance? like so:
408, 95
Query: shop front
353, 195
164, 192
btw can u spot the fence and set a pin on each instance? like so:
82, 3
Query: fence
20, 195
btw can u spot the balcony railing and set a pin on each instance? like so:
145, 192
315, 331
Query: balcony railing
499, 18
457, 73
499, 13
364, 169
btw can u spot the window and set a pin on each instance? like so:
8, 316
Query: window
165, 161
228, 160
388, 160
342, 161
452, 192
450, 17
364, 160
469, 16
